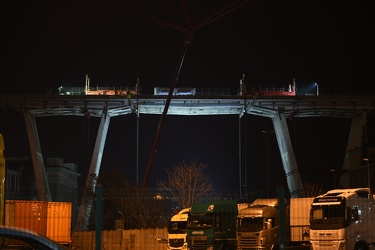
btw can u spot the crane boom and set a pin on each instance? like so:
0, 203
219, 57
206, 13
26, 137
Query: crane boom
188, 38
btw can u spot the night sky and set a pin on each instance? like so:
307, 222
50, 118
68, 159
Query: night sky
48, 44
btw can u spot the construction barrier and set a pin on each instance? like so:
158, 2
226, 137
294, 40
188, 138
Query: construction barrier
120, 239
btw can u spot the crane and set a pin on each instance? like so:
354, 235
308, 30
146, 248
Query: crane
189, 33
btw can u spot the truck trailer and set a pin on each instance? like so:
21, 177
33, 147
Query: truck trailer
343, 219
258, 226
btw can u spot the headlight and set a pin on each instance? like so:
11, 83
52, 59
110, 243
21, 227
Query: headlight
342, 245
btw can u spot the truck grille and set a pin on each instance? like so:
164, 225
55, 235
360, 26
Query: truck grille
176, 242
198, 243
247, 240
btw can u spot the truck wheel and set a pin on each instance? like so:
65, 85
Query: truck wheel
361, 245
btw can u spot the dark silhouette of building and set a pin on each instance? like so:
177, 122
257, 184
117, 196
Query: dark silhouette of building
62, 180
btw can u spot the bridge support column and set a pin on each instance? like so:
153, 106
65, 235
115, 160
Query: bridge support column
87, 198
287, 155
37, 158
354, 141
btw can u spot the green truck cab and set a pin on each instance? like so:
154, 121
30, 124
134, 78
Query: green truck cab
212, 225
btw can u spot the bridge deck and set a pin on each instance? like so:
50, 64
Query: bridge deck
301, 106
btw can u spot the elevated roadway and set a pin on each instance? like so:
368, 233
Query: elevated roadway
301, 106
278, 109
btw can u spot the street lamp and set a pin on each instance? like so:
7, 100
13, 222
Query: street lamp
334, 178
317, 89
368, 171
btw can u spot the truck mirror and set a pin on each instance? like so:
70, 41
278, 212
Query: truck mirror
355, 214
160, 240
269, 224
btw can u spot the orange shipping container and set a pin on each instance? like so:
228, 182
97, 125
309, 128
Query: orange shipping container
59, 219
50, 219
30, 215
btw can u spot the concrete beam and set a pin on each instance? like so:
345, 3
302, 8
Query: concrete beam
287, 155
356, 133
37, 158
93, 174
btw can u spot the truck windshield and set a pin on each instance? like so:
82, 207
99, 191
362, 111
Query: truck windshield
250, 224
199, 221
177, 227
327, 217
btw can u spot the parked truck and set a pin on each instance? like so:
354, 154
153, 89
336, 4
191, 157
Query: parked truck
343, 219
177, 231
258, 226
212, 225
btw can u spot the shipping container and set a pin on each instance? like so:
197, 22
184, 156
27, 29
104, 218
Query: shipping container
30, 215
50, 219
59, 218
